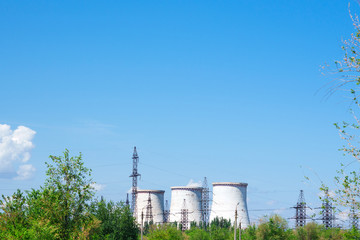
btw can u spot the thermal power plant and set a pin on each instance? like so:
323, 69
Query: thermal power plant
150, 203
185, 205
229, 197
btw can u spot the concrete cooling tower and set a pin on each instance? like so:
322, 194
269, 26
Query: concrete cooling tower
154, 209
226, 197
186, 198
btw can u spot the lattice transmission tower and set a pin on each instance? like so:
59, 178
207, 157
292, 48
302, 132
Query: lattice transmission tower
134, 177
205, 202
166, 212
327, 212
184, 220
149, 218
300, 208
353, 217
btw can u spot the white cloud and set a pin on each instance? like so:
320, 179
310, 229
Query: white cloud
25, 171
15, 147
98, 186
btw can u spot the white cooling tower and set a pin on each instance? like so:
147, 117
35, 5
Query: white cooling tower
192, 197
227, 197
157, 205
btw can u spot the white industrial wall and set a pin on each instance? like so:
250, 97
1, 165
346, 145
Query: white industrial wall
192, 196
226, 196
157, 203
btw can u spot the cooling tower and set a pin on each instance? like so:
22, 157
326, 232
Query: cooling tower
192, 197
156, 212
226, 197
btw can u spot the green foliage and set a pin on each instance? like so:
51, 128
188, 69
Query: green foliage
249, 233
353, 233
308, 232
274, 228
221, 234
220, 229
347, 191
165, 232
196, 233
69, 183
147, 226
13, 222
333, 233
220, 223
116, 219
58, 210
20, 220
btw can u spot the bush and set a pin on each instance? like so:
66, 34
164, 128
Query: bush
165, 232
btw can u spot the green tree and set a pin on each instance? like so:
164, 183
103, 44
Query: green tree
197, 233
69, 183
165, 232
220, 229
14, 223
332, 233
274, 228
116, 219
347, 77
220, 223
310, 231
249, 233
20, 218
353, 234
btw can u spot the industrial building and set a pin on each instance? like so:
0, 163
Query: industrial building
228, 197
150, 203
189, 204
186, 205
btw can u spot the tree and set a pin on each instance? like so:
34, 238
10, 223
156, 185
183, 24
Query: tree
14, 222
165, 232
69, 186
220, 223
58, 210
352, 234
347, 77
274, 228
198, 233
116, 219
220, 229
249, 233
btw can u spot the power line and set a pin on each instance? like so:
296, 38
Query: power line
167, 171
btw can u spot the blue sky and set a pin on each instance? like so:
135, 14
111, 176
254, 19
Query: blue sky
222, 89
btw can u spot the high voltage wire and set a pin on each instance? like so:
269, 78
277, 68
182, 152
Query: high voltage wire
164, 170
270, 209
110, 165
